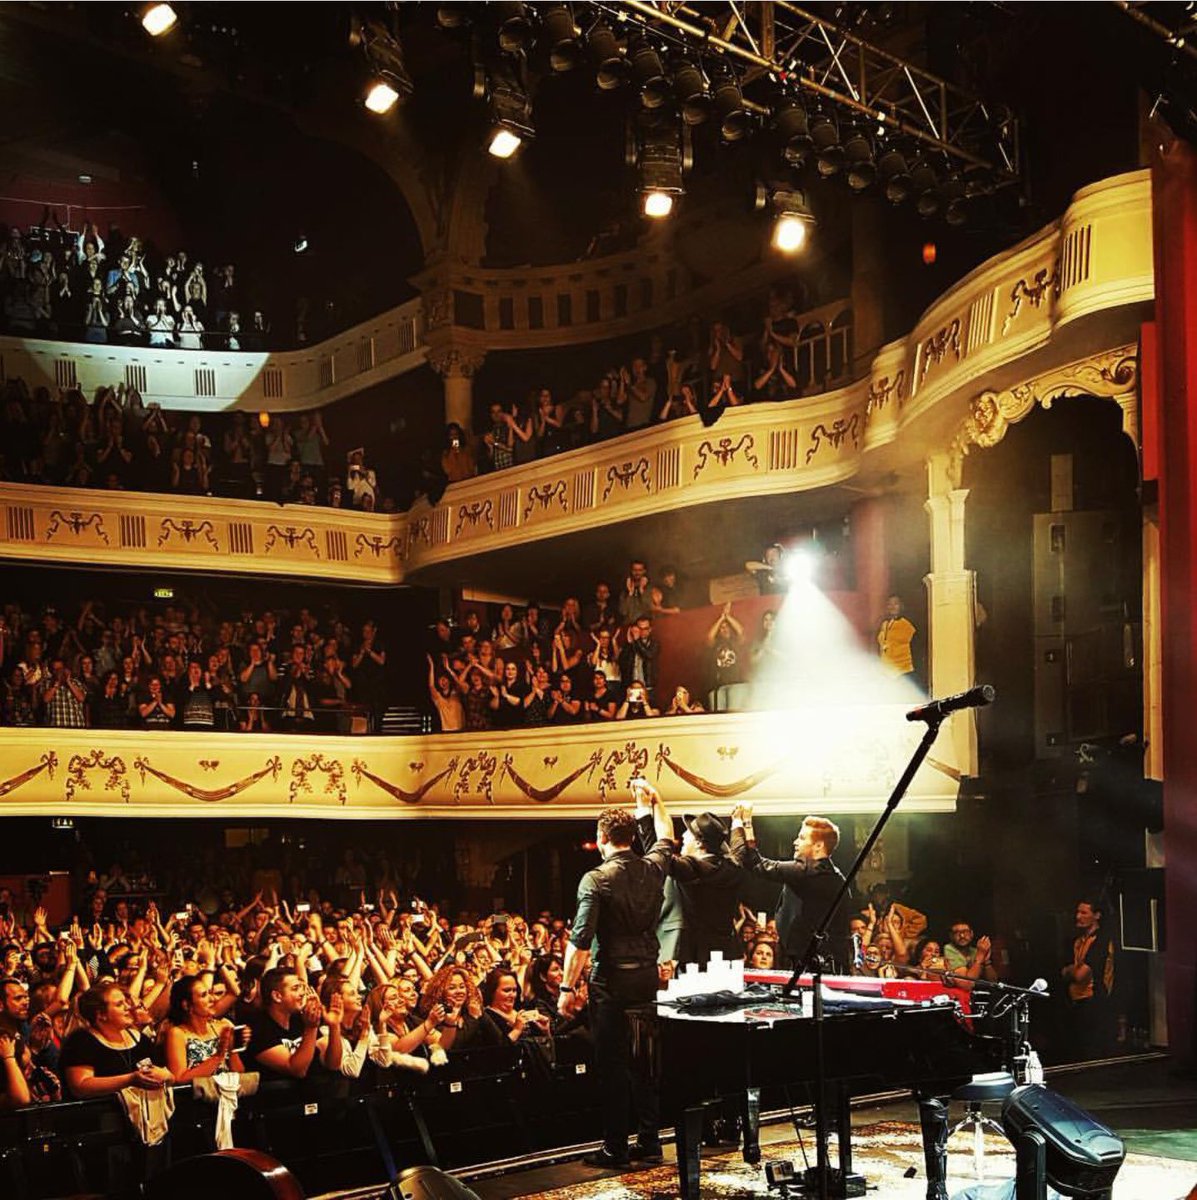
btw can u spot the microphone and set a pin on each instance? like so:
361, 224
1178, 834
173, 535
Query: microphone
936, 710
1038, 988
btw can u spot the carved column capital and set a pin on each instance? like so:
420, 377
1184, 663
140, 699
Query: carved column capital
1112, 375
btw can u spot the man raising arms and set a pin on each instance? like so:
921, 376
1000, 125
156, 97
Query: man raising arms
619, 903
812, 882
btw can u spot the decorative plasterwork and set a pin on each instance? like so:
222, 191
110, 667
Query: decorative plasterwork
1112, 374
783, 762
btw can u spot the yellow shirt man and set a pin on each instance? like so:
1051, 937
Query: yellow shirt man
894, 637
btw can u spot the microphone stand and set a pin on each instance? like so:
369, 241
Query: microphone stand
812, 956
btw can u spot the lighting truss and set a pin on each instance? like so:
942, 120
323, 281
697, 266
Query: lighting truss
814, 56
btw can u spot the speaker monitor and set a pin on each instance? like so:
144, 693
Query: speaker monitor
427, 1183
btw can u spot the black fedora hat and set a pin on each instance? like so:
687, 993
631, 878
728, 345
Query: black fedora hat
707, 828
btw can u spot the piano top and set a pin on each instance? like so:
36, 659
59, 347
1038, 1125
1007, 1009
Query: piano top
839, 1000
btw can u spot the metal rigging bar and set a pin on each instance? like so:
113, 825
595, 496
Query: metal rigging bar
837, 65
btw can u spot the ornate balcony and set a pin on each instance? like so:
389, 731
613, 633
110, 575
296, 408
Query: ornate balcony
1057, 314
214, 380
783, 762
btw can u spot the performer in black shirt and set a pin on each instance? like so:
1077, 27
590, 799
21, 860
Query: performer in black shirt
702, 897
619, 903
812, 881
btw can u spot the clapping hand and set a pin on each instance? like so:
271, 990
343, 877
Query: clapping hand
984, 947
313, 1014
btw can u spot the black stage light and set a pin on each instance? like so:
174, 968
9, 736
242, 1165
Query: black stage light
560, 34
611, 67
1059, 1144
501, 83
894, 175
858, 158
690, 91
452, 16
924, 184
791, 126
658, 146
649, 74
825, 134
955, 205
427, 1183
513, 24
734, 120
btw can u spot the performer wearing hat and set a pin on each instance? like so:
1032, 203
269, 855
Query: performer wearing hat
812, 881
702, 896
619, 904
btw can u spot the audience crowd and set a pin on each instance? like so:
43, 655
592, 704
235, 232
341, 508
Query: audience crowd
184, 668
329, 975
79, 286
118, 443
191, 664
697, 370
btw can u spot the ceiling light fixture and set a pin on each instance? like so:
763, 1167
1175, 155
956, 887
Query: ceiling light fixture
734, 120
381, 97
657, 204
658, 145
791, 128
504, 142
158, 19
560, 34
610, 65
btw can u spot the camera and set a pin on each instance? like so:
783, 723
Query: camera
303, 908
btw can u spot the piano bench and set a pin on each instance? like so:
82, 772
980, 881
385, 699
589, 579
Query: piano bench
990, 1088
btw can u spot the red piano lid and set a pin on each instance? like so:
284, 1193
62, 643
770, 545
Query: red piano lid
893, 989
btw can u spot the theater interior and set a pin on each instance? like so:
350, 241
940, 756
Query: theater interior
812, 388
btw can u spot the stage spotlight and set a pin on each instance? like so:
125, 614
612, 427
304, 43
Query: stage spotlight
954, 192
381, 97
611, 67
514, 26
800, 567
895, 178
1059, 1144
649, 75
301, 244
858, 158
504, 142
734, 120
560, 34
658, 146
657, 204
791, 127
792, 220
825, 134
789, 234
500, 82
690, 91
924, 184
158, 19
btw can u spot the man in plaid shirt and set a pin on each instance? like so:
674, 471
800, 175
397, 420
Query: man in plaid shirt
63, 698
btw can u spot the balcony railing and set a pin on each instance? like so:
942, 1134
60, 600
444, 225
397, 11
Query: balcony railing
212, 380
783, 762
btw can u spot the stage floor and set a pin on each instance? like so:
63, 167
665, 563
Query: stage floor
1153, 1110
1150, 1107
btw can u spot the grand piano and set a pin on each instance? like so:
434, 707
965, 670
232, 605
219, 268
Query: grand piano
878, 1035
